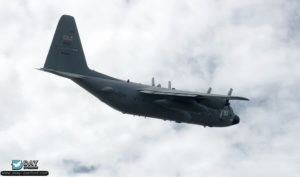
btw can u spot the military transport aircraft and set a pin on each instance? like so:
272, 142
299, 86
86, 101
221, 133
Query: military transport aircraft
66, 59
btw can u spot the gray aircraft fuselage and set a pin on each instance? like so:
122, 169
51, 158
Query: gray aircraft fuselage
125, 97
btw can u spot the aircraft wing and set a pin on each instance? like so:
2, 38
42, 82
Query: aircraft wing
180, 93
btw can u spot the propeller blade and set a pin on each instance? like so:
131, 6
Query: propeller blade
169, 84
153, 82
230, 92
209, 90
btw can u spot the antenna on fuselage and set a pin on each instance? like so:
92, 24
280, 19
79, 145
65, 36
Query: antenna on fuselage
169, 85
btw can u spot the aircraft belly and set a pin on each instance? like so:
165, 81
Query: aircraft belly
136, 105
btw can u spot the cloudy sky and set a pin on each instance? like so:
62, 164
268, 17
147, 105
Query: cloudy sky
250, 45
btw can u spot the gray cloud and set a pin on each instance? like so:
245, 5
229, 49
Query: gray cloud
77, 167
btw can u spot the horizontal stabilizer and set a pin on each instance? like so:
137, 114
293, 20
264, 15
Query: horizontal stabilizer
62, 73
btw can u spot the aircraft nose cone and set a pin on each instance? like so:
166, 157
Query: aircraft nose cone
236, 120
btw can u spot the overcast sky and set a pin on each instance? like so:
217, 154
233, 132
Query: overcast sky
250, 45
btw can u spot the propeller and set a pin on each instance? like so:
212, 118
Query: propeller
229, 94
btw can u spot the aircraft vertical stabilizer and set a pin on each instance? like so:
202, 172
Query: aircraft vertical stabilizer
66, 53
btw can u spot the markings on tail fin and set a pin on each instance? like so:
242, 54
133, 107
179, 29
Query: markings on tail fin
67, 37
67, 40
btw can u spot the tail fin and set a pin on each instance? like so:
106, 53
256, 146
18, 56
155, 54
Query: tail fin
66, 53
